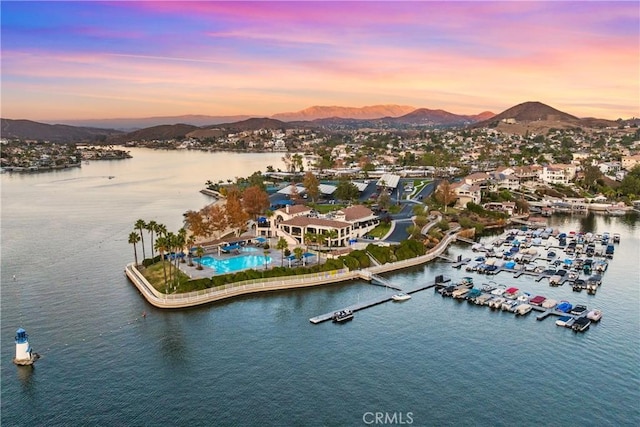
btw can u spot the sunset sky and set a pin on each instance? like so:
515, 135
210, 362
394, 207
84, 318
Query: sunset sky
88, 60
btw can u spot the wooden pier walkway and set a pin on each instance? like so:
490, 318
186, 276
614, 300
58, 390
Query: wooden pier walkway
381, 281
379, 300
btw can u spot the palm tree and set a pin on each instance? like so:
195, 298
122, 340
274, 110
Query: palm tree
182, 242
133, 239
151, 228
161, 230
140, 224
281, 246
298, 253
330, 236
191, 240
161, 246
199, 254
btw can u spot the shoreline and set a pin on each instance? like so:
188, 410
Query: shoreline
195, 298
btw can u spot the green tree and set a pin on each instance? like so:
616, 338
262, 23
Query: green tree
199, 254
133, 239
298, 252
346, 190
191, 240
282, 245
151, 228
140, 224
162, 247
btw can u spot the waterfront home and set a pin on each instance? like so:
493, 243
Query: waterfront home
466, 193
336, 229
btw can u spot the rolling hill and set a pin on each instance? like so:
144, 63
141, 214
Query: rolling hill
27, 129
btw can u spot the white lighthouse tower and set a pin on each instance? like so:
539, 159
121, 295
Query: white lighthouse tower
24, 356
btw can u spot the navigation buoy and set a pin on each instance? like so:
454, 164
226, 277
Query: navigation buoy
24, 355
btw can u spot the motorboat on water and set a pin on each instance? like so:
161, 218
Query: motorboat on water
581, 324
342, 316
594, 315
523, 309
401, 297
564, 321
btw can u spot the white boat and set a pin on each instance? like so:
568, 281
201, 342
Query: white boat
594, 315
564, 321
523, 309
496, 303
460, 292
499, 290
549, 303
401, 297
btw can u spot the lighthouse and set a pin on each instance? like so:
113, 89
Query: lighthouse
24, 356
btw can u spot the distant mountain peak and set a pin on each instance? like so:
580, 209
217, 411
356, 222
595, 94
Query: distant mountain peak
363, 113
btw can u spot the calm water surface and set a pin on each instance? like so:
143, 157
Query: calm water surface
257, 360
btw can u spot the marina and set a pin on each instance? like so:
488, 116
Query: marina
378, 300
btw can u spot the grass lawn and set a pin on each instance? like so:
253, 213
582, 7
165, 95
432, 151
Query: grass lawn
380, 231
155, 275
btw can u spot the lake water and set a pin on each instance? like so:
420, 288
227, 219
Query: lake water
257, 360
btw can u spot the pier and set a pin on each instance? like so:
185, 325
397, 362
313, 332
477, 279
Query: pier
379, 300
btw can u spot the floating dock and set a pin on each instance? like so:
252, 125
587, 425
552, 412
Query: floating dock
382, 299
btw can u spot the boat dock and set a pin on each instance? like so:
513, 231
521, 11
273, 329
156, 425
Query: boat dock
460, 262
379, 300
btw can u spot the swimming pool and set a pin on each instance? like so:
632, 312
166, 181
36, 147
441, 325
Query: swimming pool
234, 264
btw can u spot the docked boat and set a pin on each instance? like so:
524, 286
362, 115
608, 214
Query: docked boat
488, 287
483, 299
564, 321
594, 315
342, 316
508, 305
579, 285
401, 297
473, 294
460, 292
537, 300
498, 291
549, 303
511, 293
578, 310
555, 280
564, 307
581, 324
523, 309
496, 303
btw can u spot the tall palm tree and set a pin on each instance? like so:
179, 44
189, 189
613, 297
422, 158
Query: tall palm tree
281, 246
161, 246
170, 249
151, 228
133, 239
182, 242
199, 254
140, 224
161, 230
191, 240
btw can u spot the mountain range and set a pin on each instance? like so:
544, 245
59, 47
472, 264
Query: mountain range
528, 116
